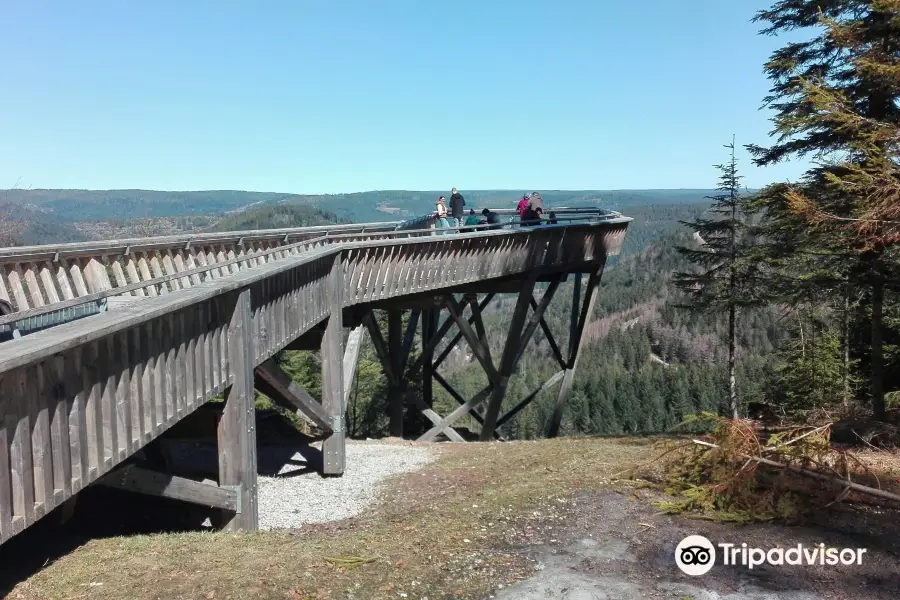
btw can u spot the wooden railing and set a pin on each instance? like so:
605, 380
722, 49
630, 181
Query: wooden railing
79, 398
37, 277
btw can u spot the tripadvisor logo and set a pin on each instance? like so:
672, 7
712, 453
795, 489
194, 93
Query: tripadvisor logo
696, 555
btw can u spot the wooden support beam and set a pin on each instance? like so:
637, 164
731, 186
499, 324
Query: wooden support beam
449, 322
435, 418
551, 340
579, 320
478, 349
455, 415
133, 478
511, 350
381, 349
528, 399
351, 358
429, 327
333, 455
395, 393
456, 396
237, 427
409, 337
536, 318
472, 300
271, 380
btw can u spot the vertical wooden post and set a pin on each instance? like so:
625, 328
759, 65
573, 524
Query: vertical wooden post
395, 387
429, 329
576, 338
333, 458
237, 428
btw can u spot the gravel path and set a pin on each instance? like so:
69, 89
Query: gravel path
292, 500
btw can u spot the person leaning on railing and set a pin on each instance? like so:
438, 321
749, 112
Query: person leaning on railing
492, 219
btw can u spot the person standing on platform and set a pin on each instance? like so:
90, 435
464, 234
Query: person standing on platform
441, 214
457, 203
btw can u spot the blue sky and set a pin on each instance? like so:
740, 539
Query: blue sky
332, 96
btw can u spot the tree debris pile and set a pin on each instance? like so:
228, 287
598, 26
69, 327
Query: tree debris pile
731, 475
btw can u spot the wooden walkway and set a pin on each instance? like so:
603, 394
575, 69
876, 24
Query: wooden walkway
192, 317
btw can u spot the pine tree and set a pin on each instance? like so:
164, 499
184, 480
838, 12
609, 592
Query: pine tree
723, 281
836, 98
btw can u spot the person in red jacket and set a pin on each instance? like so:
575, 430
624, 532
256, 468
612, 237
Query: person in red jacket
521, 206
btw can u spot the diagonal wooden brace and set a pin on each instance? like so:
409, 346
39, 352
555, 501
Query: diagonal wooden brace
272, 381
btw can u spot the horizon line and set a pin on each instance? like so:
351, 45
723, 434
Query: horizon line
510, 190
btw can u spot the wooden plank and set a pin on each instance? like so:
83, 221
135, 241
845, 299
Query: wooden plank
351, 357
108, 367
41, 441
78, 417
20, 450
133, 478
132, 273
55, 397
279, 383
15, 284
34, 289
7, 425
237, 427
332, 373
93, 409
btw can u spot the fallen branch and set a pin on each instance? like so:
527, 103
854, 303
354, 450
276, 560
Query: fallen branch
848, 484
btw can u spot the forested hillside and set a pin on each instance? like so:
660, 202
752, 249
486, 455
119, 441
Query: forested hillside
278, 216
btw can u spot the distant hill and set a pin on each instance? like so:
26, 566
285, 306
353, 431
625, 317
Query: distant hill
279, 216
27, 225
58, 216
384, 205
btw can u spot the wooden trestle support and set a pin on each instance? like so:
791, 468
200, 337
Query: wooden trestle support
485, 406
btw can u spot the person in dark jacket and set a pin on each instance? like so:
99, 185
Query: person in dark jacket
457, 202
492, 218
532, 216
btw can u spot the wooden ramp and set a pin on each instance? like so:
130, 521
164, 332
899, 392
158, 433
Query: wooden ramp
205, 316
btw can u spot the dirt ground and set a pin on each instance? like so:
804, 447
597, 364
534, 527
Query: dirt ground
617, 546
511, 521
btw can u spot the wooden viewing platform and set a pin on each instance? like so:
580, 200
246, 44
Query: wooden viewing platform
191, 317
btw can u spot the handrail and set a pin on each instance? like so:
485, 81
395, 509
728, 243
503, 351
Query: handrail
329, 239
31, 280
186, 241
